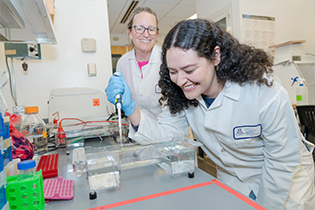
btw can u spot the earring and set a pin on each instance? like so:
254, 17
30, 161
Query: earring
217, 68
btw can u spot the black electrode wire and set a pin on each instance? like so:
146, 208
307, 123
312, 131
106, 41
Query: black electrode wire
11, 80
111, 115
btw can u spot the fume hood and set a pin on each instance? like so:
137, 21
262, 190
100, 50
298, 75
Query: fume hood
26, 21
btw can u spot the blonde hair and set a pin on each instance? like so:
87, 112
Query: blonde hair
138, 10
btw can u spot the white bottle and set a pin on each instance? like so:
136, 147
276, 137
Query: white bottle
301, 93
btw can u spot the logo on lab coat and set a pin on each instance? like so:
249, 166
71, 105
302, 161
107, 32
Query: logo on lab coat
157, 89
247, 131
239, 131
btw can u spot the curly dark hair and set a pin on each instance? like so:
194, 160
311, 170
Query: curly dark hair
239, 63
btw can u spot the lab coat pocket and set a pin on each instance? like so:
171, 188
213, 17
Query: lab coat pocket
248, 143
247, 149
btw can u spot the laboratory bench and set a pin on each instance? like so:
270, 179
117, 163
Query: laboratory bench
149, 187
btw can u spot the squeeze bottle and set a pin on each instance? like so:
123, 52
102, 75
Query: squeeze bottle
301, 93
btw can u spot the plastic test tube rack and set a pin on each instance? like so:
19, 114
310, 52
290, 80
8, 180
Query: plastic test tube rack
27, 194
49, 165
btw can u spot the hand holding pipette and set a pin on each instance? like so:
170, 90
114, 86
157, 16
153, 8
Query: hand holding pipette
118, 93
118, 85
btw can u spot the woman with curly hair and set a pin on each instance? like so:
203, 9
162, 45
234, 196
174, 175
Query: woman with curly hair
235, 107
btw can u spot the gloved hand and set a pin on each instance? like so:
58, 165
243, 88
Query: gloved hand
118, 85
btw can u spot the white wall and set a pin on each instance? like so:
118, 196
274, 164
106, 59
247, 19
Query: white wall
295, 19
123, 40
209, 8
65, 65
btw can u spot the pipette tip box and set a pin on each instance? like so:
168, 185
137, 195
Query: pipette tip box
49, 165
58, 188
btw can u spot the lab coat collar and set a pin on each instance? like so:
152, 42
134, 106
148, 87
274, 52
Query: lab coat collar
230, 90
201, 102
153, 59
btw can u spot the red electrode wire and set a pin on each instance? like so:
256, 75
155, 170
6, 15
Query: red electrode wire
62, 135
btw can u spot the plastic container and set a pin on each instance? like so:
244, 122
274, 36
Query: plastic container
180, 156
11, 168
34, 129
26, 169
102, 169
301, 93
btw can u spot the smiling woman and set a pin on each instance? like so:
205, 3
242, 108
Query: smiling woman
227, 93
193, 74
143, 32
141, 65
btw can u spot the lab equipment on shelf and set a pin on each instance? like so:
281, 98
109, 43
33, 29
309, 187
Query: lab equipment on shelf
103, 165
34, 129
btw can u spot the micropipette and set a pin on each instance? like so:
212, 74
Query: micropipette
118, 103
118, 106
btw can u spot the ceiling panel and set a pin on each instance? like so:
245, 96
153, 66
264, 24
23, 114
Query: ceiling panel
169, 12
182, 11
160, 9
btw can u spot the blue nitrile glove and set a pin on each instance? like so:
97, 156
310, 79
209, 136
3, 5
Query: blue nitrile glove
118, 85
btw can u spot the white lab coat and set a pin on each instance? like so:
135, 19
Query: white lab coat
146, 91
251, 134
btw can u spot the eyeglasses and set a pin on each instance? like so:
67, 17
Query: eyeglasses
141, 29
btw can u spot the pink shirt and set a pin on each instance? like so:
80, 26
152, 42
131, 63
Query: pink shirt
143, 63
